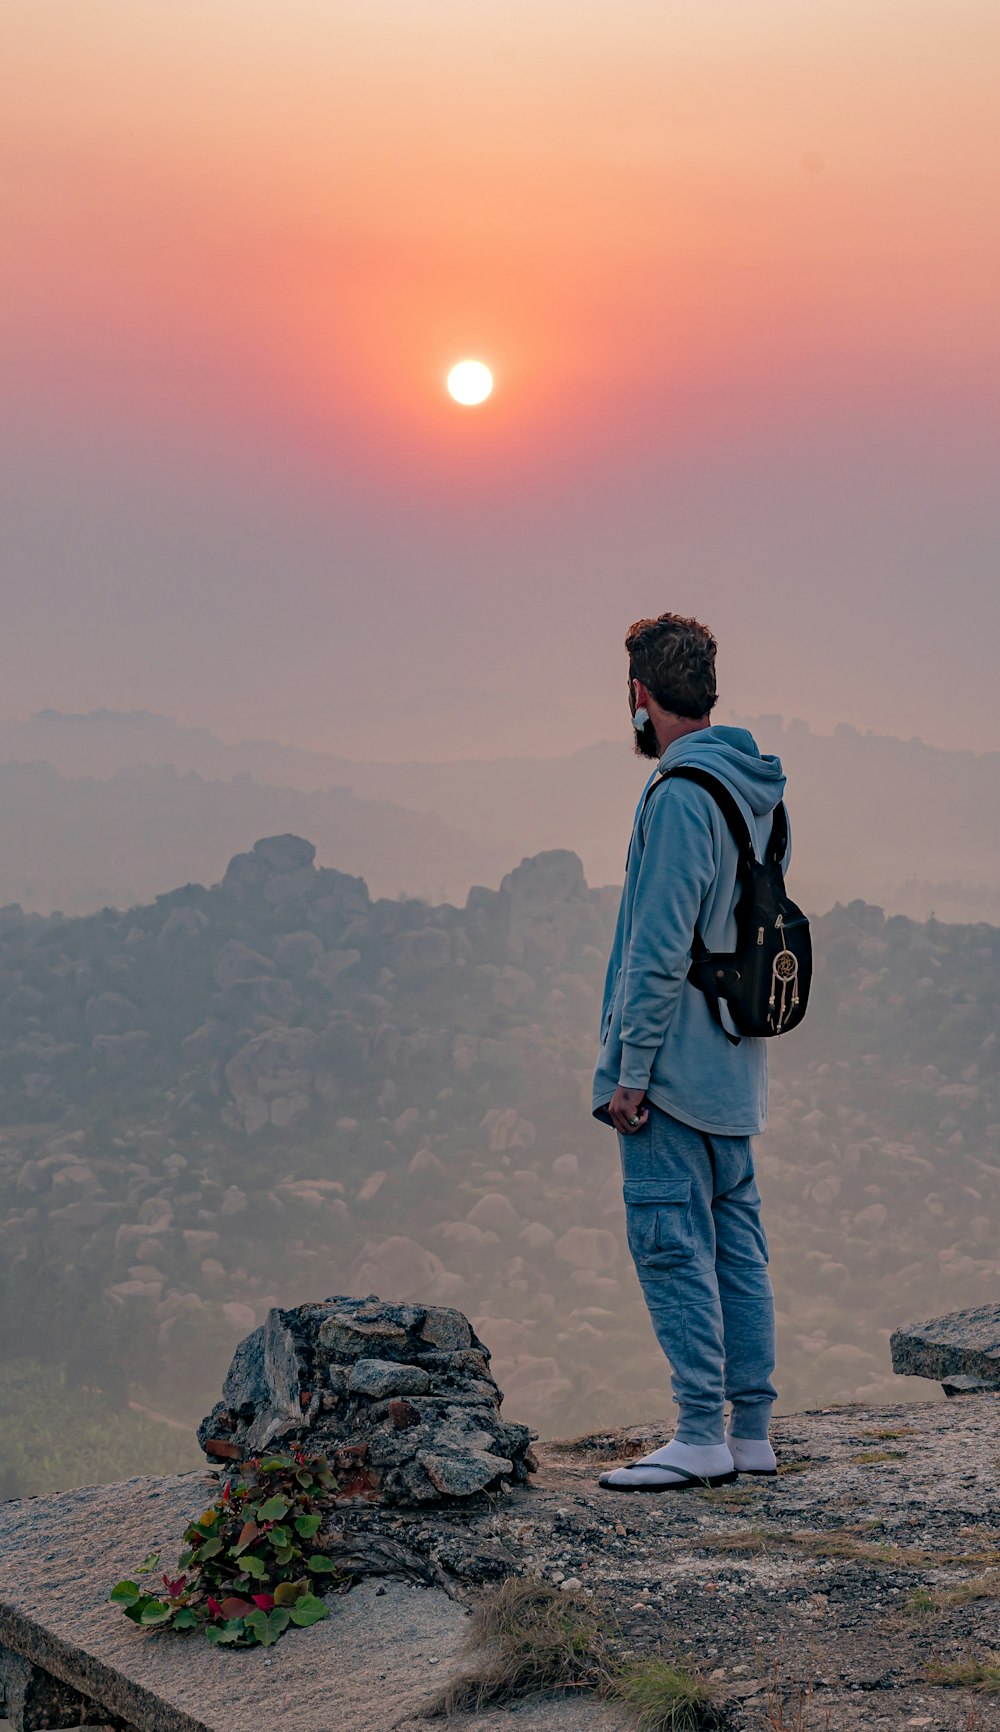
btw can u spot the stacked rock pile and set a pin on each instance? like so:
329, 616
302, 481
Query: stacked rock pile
399, 1397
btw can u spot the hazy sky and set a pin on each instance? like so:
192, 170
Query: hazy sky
736, 267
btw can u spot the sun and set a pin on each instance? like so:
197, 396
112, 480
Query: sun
470, 382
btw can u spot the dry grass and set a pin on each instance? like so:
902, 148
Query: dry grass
865, 1457
666, 1695
972, 1672
724, 1494
973, 1722
920, 1603
792, 1712
620, 1445
528, 1637
984, 1587
884, 1436
751, 1541
844, 1543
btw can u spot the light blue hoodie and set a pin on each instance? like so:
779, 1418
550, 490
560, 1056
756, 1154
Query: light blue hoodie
657, 1032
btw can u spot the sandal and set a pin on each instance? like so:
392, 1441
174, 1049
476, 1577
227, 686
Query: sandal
683, 1483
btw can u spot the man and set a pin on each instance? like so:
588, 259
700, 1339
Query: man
684, 1099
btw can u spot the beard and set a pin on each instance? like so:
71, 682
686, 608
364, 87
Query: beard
645, 742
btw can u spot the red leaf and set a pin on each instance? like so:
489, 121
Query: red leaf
214, 1607
248, 1533
234, 1607
264, 1601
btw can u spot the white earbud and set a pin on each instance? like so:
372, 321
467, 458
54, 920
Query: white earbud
640, 718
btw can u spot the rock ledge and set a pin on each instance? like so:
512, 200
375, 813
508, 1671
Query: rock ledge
962, 1350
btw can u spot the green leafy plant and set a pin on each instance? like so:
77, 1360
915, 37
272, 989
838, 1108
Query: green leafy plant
248, 1570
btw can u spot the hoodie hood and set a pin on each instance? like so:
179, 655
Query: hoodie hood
757, 779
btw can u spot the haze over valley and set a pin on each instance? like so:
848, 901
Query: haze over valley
280, 1088
113, 808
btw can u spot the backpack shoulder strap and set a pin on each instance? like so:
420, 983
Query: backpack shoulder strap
726, 804
706, 979
778, 844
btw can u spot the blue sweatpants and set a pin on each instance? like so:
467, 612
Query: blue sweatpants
692, 1214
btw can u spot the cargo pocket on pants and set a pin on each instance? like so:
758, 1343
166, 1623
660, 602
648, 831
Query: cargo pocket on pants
658, 1220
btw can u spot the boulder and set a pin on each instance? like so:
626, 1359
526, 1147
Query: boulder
245, 876
237, 963
464, 1236
399, 1398
182, 924
494, 1213
505, 1129
383, 1377
277, 998
461, 1475
536, 1235
122, 1050
330, 964
512, 987
961, 1350
549, 908
399, 1266
287, 886
237, 1316
588, 1248
285, 853
295, 951
110, 1013
270, 1078
412, 952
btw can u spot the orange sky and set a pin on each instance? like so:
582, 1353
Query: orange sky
703, 246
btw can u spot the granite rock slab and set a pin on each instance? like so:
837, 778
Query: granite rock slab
961, 1350
368, 1667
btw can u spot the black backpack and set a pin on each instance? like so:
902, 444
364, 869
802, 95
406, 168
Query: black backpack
765, 981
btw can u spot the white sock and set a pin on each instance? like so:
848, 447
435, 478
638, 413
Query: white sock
751, 1454
705, 1459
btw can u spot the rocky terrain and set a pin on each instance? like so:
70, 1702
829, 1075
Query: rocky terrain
858, 1589
278, 1087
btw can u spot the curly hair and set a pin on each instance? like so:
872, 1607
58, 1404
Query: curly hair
674, 658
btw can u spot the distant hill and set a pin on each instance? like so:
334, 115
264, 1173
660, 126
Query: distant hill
914, 828
81, 843
279, 1088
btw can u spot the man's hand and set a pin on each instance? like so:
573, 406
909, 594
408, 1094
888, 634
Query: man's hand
626, 1105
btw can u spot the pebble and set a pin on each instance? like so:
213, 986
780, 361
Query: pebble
570, 1584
